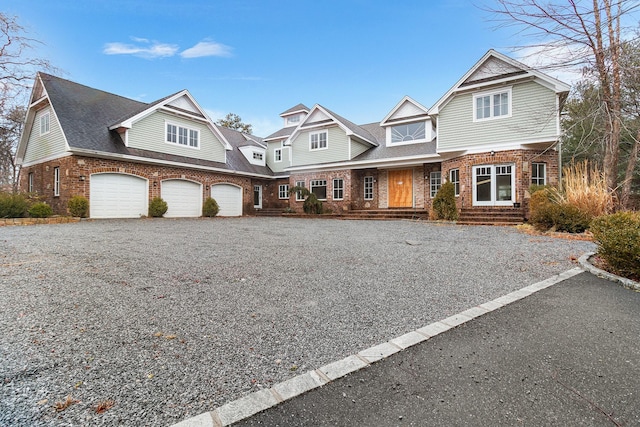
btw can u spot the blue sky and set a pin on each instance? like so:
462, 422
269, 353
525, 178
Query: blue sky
259, 58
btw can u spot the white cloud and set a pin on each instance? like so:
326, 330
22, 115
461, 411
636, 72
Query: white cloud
206, 48
143, 48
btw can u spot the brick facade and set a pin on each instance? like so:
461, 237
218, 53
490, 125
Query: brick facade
76, 171
330, 204
522, 159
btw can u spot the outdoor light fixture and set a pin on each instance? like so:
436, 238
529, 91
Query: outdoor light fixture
493, 153
82, 178
155, 184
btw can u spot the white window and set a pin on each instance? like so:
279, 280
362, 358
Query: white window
338, 189
30, 188
277, 155
435, 182
318, 141
492, 105
454, 177
368, 188
538, 174
293, 119
182, 136
44, 123
408, 132
257, 156
299, 196
56, 181
283, 191
319, 188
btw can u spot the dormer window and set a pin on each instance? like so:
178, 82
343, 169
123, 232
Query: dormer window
408, 132
293, 120
492, 105
257, 156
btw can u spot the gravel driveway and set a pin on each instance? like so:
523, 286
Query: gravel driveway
160, 320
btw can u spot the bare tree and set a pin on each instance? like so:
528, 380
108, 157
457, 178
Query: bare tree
10, 130
17, 68
580, 33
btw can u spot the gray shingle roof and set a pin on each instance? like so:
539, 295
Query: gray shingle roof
282, 133
299, 107
85, 115
357, 130
382, 152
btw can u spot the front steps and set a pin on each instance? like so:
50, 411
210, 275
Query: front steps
381, 214
491, 216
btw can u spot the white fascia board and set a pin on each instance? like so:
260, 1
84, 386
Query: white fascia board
520, 145
128, 123
360, 164
127, 157
291, 113
399, 104
47, 159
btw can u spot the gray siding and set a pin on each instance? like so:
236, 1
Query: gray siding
358, 148
47, 145
533, 109
273, 165
149, 134
337, 143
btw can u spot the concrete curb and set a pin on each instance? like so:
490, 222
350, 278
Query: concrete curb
264, 399
585, 264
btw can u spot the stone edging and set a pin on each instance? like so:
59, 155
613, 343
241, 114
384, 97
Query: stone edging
33, 221
627, 283
264, 399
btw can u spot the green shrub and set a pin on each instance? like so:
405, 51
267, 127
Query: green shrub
541, 210
210, 208
546, 214
569, 218
13, 205
40, 210
78, 206
312, 205
157, 207
444, 204
618, 240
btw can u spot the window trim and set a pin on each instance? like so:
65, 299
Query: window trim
433, 184
390, 142
30, 182
456, 182
368, 178
283, 191
182, 132
277, 152
56, 181
299, 196
257, 156
46, 122
339, 189
316, 182
326, 140
490, 94
544, 177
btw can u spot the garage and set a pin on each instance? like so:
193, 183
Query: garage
118, 195
229, 198
184, 198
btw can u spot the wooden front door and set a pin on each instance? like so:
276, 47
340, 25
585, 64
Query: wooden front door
401, 188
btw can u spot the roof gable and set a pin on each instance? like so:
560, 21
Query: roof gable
406, 110
494, 68
320, 116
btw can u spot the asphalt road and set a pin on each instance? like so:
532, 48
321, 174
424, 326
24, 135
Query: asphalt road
568, 355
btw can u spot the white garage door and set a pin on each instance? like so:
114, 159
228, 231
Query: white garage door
184, 198
117, 195
229, 198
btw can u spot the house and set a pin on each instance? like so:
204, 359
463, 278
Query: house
493, 134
